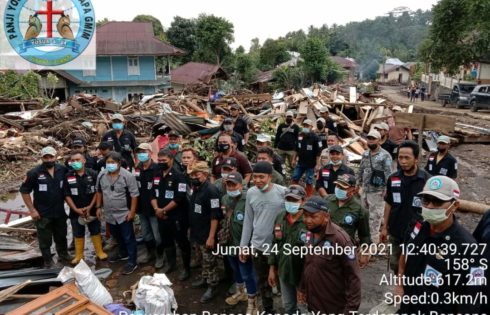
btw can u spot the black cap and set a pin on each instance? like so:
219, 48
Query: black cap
234, 177
78, 142
296, 191
105, 145
173, 133
229, 162
346, 180
263, 167
315, 204
336, 148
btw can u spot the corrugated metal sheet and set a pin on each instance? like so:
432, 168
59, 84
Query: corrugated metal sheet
132, 38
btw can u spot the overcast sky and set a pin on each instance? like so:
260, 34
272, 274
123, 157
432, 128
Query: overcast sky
258, 18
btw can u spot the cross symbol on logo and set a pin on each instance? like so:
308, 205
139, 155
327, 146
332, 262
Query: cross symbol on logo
49, 12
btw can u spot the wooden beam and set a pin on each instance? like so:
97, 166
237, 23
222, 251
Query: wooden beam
444, 124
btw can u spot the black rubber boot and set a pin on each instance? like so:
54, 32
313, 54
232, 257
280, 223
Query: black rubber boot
171, 254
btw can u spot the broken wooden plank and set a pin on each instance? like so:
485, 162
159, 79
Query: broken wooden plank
11, 123
444, 124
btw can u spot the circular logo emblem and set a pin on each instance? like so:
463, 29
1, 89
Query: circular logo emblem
327, 244
239, 216
348, 219
50, 32
435, 184
302, 237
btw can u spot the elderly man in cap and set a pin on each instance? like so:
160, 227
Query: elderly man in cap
308, 157
47, 209
264, 141
227, 129
373, 173
289, 232
442, 266
326, 265
122, 139
204, 216
386, 143
346, 211
442, 162
79, 145
229, 165
144, 173
330, 124
240, 125
329, 173
286, 139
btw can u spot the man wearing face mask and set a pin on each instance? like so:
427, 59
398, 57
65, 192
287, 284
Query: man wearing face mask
80, 195
227, 129
117, 192
346, 211
264, 202
122, 139
402, 202
386, 143
442, 162
169, 201
330, 172
308, 157
228, 166
204, 215
289, 232
340, 271
264, 141
374, 170
80, 146
230, 235
322, 131
329, 122
144, 173
265, 155
286, 139
240, 125
226, 150
175, 147
448, 242
47, 210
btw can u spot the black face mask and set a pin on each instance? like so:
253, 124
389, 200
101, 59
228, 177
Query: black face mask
49, 164
289, 120
163, 166
441, 150
372, 146
319, 126
195, 182
223, 147
317, 229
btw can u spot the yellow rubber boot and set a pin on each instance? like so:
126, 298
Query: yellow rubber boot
79, 248
97, 241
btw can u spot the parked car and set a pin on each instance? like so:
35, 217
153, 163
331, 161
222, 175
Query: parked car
459, 96
480, 97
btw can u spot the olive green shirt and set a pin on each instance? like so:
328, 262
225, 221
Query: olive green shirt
235, 212
277, 178
287, 239
351, 217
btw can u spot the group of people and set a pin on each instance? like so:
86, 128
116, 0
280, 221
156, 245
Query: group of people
298, 217
414, 91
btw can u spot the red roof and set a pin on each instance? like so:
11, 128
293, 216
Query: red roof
196, 73
344, 62
132, 38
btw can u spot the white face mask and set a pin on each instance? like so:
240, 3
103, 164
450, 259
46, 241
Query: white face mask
435, 216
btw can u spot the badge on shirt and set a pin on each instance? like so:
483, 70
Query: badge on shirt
417, 202
327, 244
455, 166
309, 147
156, 181
300, 138
182, 187
157, 193
433, 274
348, 219
197, 208
431, 158
278, 232
416, 230
137, 172
325, 184
326, 173
149, 186
397, 197
239, 216
443, 171
74, 191
169, 194
430, 167
396, 182
302, 236
320, 144
214, 203
61, 184
43, 187
72, 180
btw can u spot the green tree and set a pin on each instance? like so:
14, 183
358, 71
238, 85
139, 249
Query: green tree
182, 34
287, 78
19, 86
157, 25
213, 37
316, 63
272, 53
459, 34
245, 66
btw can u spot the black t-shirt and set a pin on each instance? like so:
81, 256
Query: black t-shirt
286, 137
391, 148
277, 163
402, 195
309, 148
204, 207
447, 166
241, 126
48, 191
81, 189
440, 256
90, 161
173, 186
144, 179
327, 176
125, 144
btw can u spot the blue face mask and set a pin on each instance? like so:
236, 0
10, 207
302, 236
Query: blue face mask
306, 130
292, 207
173, 146
336, 162
117, 126
143, 157
340, 193
111, 167
76, 165
263, 189
234, 193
